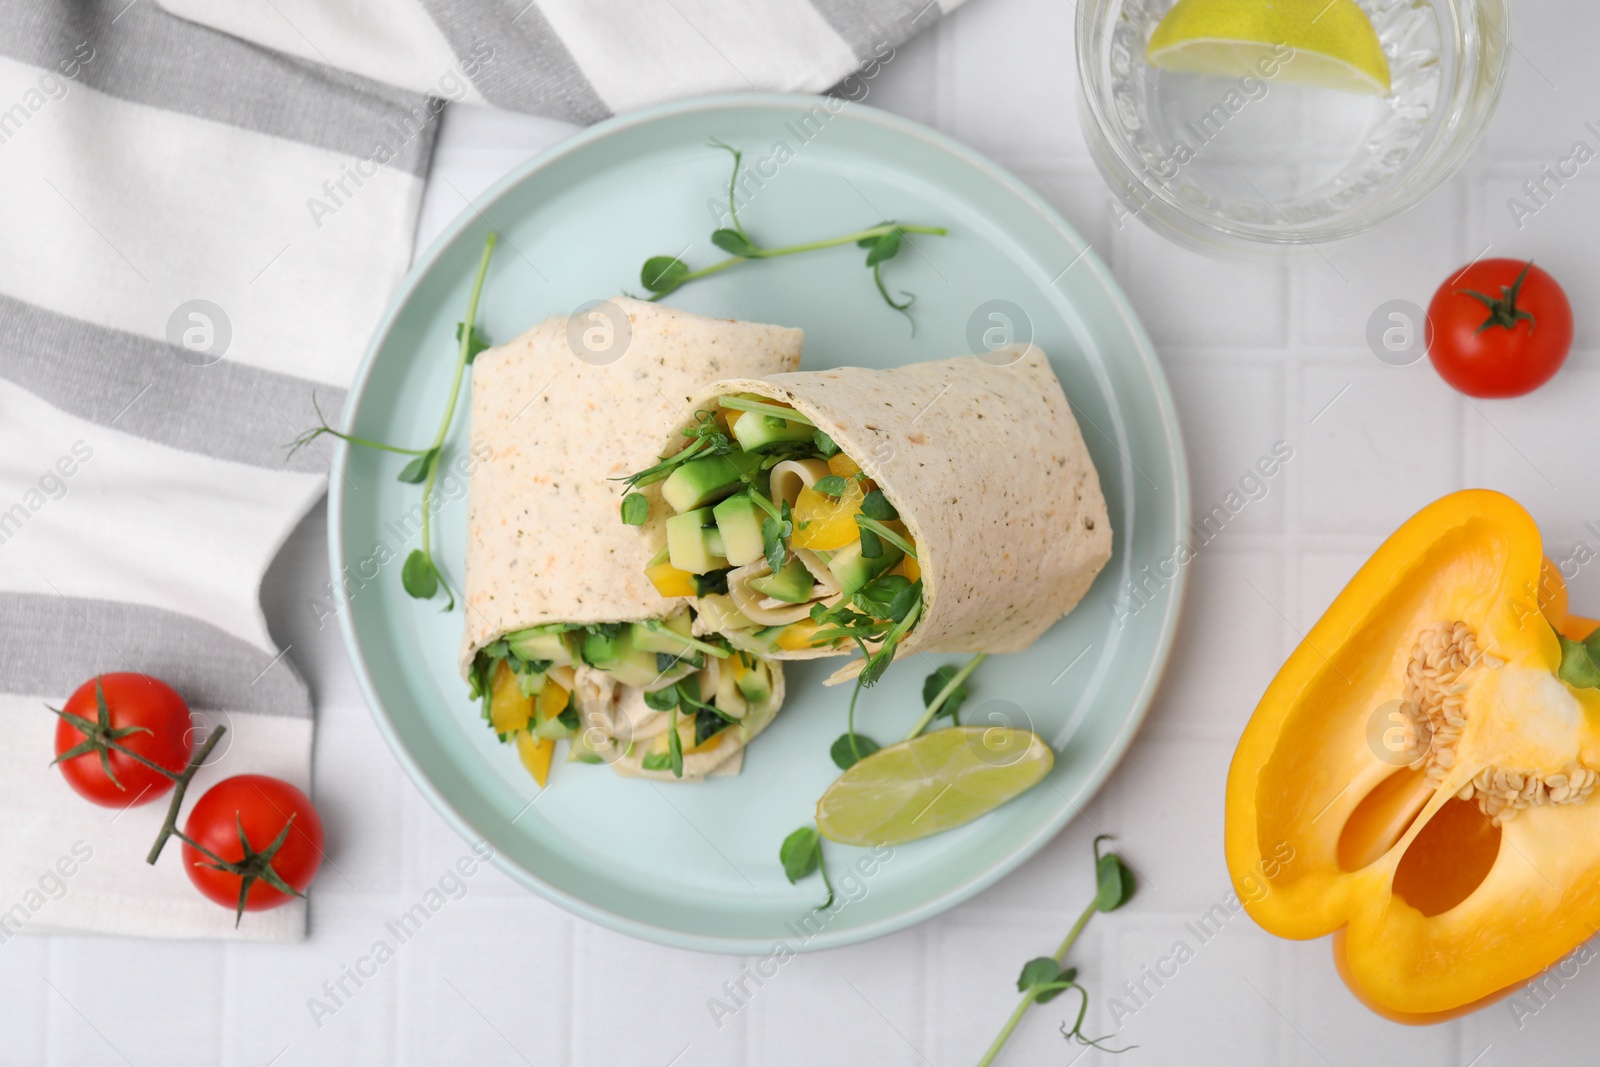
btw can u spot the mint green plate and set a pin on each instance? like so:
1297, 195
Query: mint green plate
697, 865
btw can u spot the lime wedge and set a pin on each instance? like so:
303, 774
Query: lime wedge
1326, 43
931, 783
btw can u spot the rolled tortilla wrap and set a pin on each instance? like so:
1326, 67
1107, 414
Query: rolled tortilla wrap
982, 458
550, 429
544, 543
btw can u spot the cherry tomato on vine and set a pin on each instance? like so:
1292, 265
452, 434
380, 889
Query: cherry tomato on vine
252, 843
111, 716
1499, 328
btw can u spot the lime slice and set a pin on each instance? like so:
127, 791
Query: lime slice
1326, 43
931, 783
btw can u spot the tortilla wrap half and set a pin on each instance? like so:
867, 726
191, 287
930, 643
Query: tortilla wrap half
554, 419
544, 540
986, 465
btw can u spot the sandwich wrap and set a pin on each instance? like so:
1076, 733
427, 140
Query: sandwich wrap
984, 461
556, 414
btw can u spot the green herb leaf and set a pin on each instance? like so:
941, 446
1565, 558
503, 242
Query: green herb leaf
876, 598
801, 853
711, 581
904, 600
1113, 880
935, 684
569, 717
824, 444
707, 724
661, 699
656, 761
635, 509
871, 544
415, 471
775, 534
885, 247
476, 344
851, 748
662, 274
418, 576
831, 485
1037, 971
1048, 995
876, 506
734, 243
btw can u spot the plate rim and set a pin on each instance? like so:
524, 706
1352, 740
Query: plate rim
473, 214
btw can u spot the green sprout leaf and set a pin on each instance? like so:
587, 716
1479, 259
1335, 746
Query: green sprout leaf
415, 472
775, 534
663, 274
419, 576
824, 444
871, 544
852, 748
831, 485
876, 506
1113, 879
885, 247
635, 509
934, 685
801, 853
734, 242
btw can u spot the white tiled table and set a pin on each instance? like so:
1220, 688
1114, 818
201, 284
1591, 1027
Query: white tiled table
1256, 354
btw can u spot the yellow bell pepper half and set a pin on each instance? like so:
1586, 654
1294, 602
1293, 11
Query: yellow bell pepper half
1426, 771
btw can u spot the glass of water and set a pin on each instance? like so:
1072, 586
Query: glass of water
1254, 163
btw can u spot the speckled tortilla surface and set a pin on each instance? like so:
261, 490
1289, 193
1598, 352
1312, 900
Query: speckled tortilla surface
984, 461
545, 542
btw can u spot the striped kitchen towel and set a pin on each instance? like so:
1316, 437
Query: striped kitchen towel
207, 205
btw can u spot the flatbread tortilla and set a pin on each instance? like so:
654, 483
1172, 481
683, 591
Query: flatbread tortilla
982, 457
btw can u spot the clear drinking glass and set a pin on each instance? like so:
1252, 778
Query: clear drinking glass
1249, 164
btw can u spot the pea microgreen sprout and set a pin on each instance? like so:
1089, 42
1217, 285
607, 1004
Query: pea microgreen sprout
1044, 978
801, 854
664, 274
420, 574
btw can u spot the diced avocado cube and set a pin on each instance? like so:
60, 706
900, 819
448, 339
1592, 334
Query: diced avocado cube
714, 543
792, 585
600, 650
755, 431
756, 684
688, 547
662, 637
853, 570
637, 668
531, 645
707, 480
739, 522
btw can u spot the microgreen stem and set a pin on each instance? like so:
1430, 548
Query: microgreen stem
462, 359
933, 709
169, 826
1077, 928
807, 246
1011, 1024
761, 407
887, 534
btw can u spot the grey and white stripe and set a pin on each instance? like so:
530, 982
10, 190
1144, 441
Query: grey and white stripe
226, 410
55, 643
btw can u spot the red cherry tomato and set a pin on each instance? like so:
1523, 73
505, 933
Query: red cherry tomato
143, 715
263, 806
1499, 328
